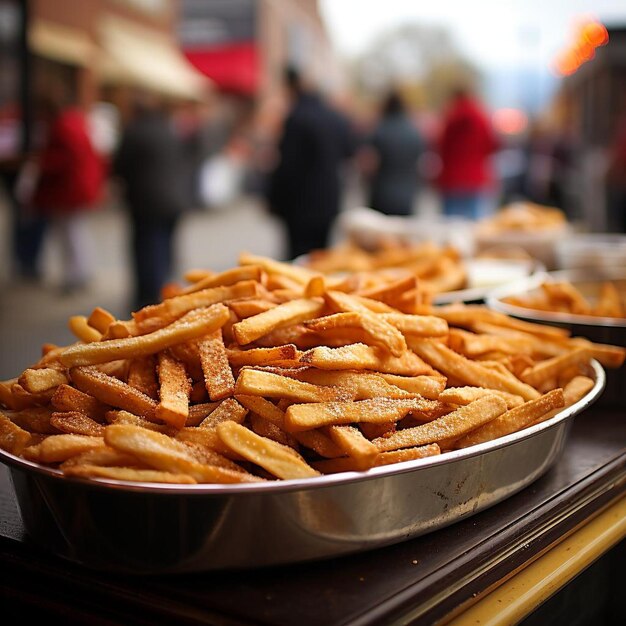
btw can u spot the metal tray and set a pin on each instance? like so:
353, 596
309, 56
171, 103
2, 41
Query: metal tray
144, 528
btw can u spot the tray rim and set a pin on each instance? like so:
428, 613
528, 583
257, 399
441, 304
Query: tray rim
16, 463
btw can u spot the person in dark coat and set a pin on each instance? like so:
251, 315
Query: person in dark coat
150, 163
304, 189
395, 146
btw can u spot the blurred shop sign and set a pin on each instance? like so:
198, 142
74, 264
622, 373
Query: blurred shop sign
219, 38
61, 43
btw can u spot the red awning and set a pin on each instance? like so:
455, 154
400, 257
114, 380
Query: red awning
232, 67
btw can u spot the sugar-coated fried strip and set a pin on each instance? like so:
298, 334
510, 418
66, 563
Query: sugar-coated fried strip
268, 429
263, 407
279, 460
112, 391
68, 398
100, 319
142, 375
262, 383
293, 312
34, 419
228, 409
197, 412
470, 372
513, 420
359, 356
174, 390
59, 448
218, 376
77, 423
104, 457
157, 315
300, 275
225, 279
127, 474
261, 356
354, 444
551, 367
25, 399
300, 417
344, 302
452, 425
164, 453
80, 327
347, 464
124, 417
465, 395
418, 325
13, 439
42, 379
191, 326
248, 307
424, 385
319, 442
378, 331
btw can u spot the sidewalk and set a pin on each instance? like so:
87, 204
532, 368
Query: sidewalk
32, 314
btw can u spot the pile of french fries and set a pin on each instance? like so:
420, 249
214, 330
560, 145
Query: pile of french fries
438, 268
564, 297
523, 216
273, 371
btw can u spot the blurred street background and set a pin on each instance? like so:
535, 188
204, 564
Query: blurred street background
549, 76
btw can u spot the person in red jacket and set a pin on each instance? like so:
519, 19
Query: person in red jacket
466, 145
69, 182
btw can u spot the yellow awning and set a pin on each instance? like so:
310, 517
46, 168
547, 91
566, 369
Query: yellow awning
61, 43
139, 56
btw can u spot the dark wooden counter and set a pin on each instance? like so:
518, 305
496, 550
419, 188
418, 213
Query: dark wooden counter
421, 581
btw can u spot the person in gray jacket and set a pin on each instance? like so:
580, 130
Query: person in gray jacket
395, 147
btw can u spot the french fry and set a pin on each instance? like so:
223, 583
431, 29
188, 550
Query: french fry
263, 407
268, 429
190, 326
418, 325
43, 379
227, 278
248, 330
218, 377
35, 419
424, 385
13, 439
77, 423
452, 425
549, 368
103, 457
513, 420
100, 319
300, 417
80, 327
228, 409
126, 474
174, 390
347, 464
68, 398
112, 391
59, 448
280, 461
124, 417
262, 356
142, 375
355, 445
465, 395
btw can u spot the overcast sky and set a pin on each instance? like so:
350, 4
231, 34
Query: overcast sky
492, 33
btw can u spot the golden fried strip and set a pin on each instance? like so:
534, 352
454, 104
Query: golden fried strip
227, 278
157, 315
126, 474
344, 302
262, 383
470, 372
347, 464
228, 409
77, 423
142, 375
100, 319
355, 445
454, 424
80, 327
59, 448
300, 417
250, 306
218, 377
167, 454
418, 325
378, 331
288, 313
262, 356
112, 391
34, 419
513, 420
43, 379
465, 395
197, 412
68, 398
124, 417
120, 329
551, 367
265, 428
191, 326
105, 456
361, 356
319, 442
13, 439
266, 409
471, 344
279, 460
174, 390
428, 386
298, 274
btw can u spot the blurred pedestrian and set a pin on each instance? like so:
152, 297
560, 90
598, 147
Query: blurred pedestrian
67, 183
391, 157
466, 145
616, 179
150, 163
304, 189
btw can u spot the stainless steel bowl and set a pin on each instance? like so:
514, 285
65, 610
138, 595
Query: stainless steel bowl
608, 330
156, 529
